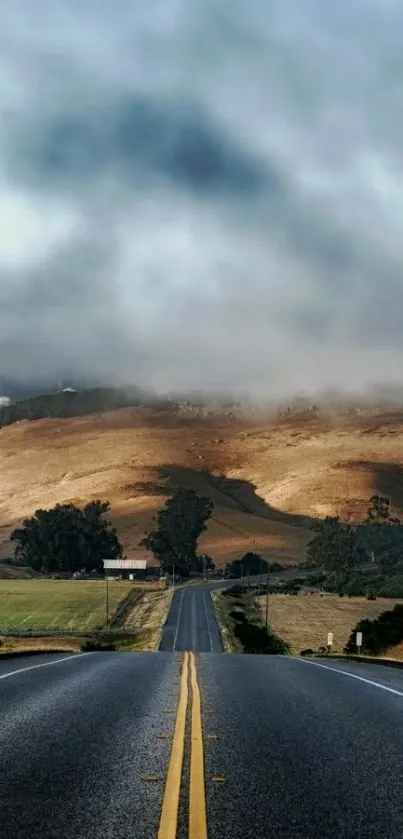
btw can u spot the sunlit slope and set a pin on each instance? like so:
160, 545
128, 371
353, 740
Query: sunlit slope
267, 478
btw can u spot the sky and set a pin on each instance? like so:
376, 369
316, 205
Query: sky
200, 194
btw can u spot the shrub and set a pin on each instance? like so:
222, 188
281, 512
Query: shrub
255, 639
93, 645
379, 634
392, 587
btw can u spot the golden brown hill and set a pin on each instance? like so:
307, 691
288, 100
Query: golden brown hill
268, 478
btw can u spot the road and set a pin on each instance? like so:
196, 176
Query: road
191, 623
178, 744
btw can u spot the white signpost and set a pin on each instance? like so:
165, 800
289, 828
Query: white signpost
329, 639
358, 641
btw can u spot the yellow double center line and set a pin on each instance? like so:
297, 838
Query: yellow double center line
197, 797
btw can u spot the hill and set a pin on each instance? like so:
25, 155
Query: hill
70, 402
268, 476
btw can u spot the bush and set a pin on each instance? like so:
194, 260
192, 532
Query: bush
255, 639
379, 634
235, 591
392, 587
94, 645
237, 615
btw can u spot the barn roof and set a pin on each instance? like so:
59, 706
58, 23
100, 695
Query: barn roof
126, 564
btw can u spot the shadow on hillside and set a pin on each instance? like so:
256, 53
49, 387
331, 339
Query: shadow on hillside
236, 494
387, 479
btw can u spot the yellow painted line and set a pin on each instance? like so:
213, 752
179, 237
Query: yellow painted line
170, 805
197, 793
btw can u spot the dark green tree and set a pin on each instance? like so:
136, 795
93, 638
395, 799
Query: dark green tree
379, 511
251, 564
381, 535
66, 538
178, 527
334, 547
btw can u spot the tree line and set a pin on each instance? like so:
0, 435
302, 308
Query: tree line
69, 539
340, 548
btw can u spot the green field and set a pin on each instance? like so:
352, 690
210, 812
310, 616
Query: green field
57, 604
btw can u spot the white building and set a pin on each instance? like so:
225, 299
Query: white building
125, 569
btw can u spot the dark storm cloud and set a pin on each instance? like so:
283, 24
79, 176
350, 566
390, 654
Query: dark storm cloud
140, 139
202, 194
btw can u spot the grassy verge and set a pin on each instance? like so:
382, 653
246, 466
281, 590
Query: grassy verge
113, 640
242, 627
148, 616
47, 615
68, 644
57, 604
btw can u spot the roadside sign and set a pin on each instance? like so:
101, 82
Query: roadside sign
358, 639
329, 639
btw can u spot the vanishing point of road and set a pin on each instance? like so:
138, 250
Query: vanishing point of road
194, 742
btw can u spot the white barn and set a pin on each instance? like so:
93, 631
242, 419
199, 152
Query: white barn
125, 569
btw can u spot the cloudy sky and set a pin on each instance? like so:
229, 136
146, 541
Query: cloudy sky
202, 193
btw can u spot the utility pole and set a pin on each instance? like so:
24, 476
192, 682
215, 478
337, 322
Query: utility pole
267, 601
106, 597
173, 576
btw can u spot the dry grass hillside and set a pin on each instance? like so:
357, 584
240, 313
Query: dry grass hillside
268, 477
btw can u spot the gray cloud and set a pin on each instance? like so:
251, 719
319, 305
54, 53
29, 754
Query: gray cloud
140, 139
199, 195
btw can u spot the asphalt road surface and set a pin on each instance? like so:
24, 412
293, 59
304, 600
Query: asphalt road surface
191, 623
175, 744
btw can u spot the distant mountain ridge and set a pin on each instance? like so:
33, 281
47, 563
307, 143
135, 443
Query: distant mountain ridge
18, 389
69, 402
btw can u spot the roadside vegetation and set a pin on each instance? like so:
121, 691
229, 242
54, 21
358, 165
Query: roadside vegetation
242, 626
351, 574
341, 550
380, 634
68, 615
305, 620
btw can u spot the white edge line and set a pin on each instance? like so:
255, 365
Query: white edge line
353, 676
205, 594
44, 664
177, 625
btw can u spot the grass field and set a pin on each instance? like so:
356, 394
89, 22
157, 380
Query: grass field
57, 604
304, 621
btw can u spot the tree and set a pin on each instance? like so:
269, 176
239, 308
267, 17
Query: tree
251, 564
67, 539
379, 511
334, 547
178, 527
381, 535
